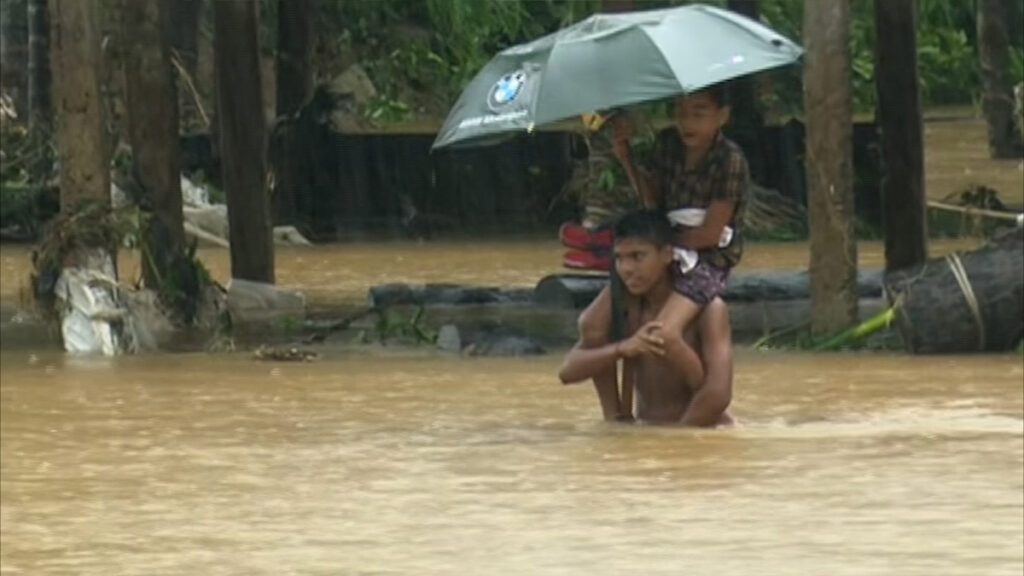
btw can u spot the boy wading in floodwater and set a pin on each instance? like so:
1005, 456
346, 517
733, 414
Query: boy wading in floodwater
643, 256
700, 179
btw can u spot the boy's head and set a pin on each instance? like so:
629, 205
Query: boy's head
643, 250
699, 116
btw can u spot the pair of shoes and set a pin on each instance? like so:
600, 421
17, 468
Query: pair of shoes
574, 235
587, 260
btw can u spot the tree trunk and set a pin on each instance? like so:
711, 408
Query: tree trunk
997, 95
294, 88
81, 119
746, 118
243, 139
899, 116
294, 54
182, 27
39, 101
13, 33
153, 132
828, 109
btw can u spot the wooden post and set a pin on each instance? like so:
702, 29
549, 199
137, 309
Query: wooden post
997, 94
153, 132
243, 139
829, 164
904, 213
294, 88
294, 54
182, 26
82, 139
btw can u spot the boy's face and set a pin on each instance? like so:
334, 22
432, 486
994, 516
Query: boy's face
698, 119
641, 264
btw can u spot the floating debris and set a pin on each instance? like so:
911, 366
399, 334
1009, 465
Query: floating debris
282, 354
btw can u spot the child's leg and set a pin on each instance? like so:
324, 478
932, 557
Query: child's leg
677, 314
693, 290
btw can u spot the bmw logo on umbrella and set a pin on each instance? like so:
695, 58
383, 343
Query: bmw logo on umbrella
506, 89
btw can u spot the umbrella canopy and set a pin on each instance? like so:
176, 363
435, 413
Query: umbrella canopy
607, 61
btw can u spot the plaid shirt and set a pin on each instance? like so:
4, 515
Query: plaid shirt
722, 175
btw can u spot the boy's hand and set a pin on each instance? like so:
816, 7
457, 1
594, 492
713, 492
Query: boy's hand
646, 340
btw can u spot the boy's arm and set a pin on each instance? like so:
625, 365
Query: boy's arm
641, 181
728, 193
583, 363
708, 234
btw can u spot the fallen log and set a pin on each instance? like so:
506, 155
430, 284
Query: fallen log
965, 302
576, 291
387, 295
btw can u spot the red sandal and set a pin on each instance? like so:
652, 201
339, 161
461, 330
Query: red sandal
574, 235
587, 260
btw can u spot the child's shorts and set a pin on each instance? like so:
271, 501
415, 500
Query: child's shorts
702, 283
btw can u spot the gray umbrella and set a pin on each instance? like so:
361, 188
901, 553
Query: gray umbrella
607, 61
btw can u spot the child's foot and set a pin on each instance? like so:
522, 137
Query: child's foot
578, 236
585, 260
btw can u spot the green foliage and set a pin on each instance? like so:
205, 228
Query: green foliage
437, 46
947, 53
1016, 65
19, 206
875, 333
947, 67
391, 325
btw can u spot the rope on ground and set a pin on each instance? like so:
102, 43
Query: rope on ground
957, 267
972, 211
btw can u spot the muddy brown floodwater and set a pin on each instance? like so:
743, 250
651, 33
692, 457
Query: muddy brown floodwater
381, 463
376, 461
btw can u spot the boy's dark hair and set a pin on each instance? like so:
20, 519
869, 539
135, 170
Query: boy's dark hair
649, 225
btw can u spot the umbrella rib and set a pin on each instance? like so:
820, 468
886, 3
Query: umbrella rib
540, 89
664, 58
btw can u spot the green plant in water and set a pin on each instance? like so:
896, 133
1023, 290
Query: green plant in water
859, 332
799, 337
290, 324
392, 325
181, 281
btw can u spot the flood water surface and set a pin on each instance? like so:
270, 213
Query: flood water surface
377, 462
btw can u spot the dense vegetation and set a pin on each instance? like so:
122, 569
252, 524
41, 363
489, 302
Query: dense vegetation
421, 54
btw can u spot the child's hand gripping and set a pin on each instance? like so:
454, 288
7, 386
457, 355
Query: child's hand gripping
646, 340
